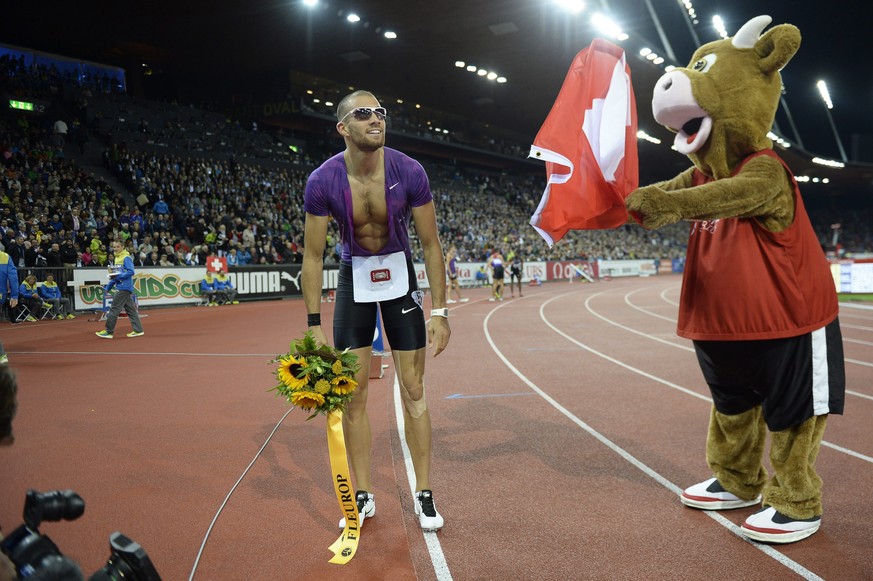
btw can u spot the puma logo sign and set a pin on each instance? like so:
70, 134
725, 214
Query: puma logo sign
293, 279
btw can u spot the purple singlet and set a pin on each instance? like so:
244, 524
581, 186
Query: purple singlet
328, 193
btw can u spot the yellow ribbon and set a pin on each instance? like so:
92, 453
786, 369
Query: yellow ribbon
346, 545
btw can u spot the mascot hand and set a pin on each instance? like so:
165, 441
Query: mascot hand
652, 207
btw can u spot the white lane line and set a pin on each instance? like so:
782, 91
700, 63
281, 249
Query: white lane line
434, 548
766, 549
858, 341
672, 344
646, 311
857, 327
227, 498
856, 362
825, 443
856, 306
654, 338
664, 292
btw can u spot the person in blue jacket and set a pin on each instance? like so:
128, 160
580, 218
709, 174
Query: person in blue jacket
50, 292
224, 289
207, 289
8, 291
121, 277
29, 295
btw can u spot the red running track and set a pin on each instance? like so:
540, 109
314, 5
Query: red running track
565, 423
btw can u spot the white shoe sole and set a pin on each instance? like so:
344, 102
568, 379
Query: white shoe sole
429, 528
713, 504
761, 527
779, 538
698, 496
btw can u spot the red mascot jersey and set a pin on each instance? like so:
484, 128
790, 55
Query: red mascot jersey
744, 282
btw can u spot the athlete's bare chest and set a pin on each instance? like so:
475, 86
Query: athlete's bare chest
368, 199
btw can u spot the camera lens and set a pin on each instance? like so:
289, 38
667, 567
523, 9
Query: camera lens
52, 506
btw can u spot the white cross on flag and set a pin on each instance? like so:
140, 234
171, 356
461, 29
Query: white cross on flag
216, 264
589, 144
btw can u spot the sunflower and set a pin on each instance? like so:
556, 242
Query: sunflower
322, 386
307, 399
343, 385
289, 368
315, 377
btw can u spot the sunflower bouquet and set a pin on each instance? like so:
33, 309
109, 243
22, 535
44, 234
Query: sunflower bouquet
316, 378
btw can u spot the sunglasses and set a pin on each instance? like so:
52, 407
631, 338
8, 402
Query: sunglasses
364, 113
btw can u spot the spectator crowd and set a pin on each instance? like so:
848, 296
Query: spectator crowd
177, 210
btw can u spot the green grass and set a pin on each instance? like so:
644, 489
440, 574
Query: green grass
856, 297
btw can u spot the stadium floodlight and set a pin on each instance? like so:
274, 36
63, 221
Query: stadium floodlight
780, 140
645, 136
353, 17
390, 34
310, 2
608, 27
718, 23
828, 162
825, 95
574, 6
460, 64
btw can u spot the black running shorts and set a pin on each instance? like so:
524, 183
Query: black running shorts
354, 324
793, 378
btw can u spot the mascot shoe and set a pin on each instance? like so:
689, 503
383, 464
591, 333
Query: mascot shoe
770, 526
709, 495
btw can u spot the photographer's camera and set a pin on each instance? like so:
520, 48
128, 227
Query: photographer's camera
36, 557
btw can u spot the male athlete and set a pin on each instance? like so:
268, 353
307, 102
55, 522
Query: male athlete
372, 192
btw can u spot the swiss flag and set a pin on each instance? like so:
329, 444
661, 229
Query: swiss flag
589, 144
216, 264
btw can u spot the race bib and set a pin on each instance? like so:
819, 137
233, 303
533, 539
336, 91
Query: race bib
380, 278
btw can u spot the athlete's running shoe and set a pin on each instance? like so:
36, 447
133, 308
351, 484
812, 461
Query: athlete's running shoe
428, 517
366, 507
104, 334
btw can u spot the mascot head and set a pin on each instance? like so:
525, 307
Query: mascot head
722, 105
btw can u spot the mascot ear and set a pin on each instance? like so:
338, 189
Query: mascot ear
776, 47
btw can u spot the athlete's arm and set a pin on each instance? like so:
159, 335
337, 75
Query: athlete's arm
435, 266
314, 239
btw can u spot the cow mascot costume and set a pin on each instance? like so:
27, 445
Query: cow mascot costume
758, 300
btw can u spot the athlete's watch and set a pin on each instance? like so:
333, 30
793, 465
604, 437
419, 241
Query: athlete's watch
439, 313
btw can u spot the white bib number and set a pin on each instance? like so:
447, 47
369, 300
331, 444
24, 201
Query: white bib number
380, 278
